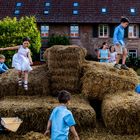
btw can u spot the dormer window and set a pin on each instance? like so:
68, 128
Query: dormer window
75, 12
17, 12
103, 10
132, 11
46, 12
18, 4
75, 4
47, 4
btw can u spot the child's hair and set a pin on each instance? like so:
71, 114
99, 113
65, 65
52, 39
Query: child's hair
2, 56
124, 19
111, 47
26, 39
103, 45
64, 96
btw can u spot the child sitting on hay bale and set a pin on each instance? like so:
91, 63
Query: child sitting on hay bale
61, 119
3, 67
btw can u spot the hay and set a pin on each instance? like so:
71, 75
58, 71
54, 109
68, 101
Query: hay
100, 79
64, 64
35, 136
35, 111
121, 112
38, 82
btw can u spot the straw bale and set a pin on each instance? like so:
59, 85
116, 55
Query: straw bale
100, 79
121, 112
64, 64
38, 82
35, 111
35, 136
61, 55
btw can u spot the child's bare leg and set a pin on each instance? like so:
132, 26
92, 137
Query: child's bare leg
19, 78
124, 56
26, 80
118, 58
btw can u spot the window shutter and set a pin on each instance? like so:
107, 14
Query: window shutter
112, 28
126, 33
95, 30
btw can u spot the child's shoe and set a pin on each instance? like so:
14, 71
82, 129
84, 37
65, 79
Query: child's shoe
117, 66
123, 66
20, 82
25, 86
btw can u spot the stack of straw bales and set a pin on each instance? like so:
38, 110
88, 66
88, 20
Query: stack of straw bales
64, 63
35, 112
100, 79
121, 112
38, 82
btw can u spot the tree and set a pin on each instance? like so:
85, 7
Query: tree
58, 40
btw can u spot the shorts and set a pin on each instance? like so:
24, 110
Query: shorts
119, 49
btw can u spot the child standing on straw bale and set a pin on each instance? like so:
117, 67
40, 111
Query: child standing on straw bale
113, 55
22, 61
103, 53
118, 40
61, 119
3, 67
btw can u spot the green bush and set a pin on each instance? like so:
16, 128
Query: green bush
58, 40
12, 31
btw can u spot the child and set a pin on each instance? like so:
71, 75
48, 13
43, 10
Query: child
22, 61
118, 40
137, 88
103, 53
113, 55
3, 67
61, 119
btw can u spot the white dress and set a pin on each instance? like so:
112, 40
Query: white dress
20, 60
113, 57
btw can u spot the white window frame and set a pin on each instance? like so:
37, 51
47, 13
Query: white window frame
44, 29
131, 33
74, 31
103, 31
131, 53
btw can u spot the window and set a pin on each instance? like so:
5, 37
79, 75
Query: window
74, 31
104, 10
75, 4
42, 50
18, 4
133, 31
132, 53
17, 12
44, 31
75, 12
46, 12
47, 4
132, 11
103, 31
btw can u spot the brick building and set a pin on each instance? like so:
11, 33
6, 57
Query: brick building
87, 22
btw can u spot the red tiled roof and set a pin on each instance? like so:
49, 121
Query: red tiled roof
61, 10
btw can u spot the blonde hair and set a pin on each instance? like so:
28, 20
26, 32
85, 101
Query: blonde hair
2, 56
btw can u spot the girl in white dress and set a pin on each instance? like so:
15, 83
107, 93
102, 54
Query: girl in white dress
113, 55
22, 61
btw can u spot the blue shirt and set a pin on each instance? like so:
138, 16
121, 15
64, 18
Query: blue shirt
104, 54
61, 119
118, 37
3, 68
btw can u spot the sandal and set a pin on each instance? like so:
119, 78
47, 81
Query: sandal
20, 82
25, 86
